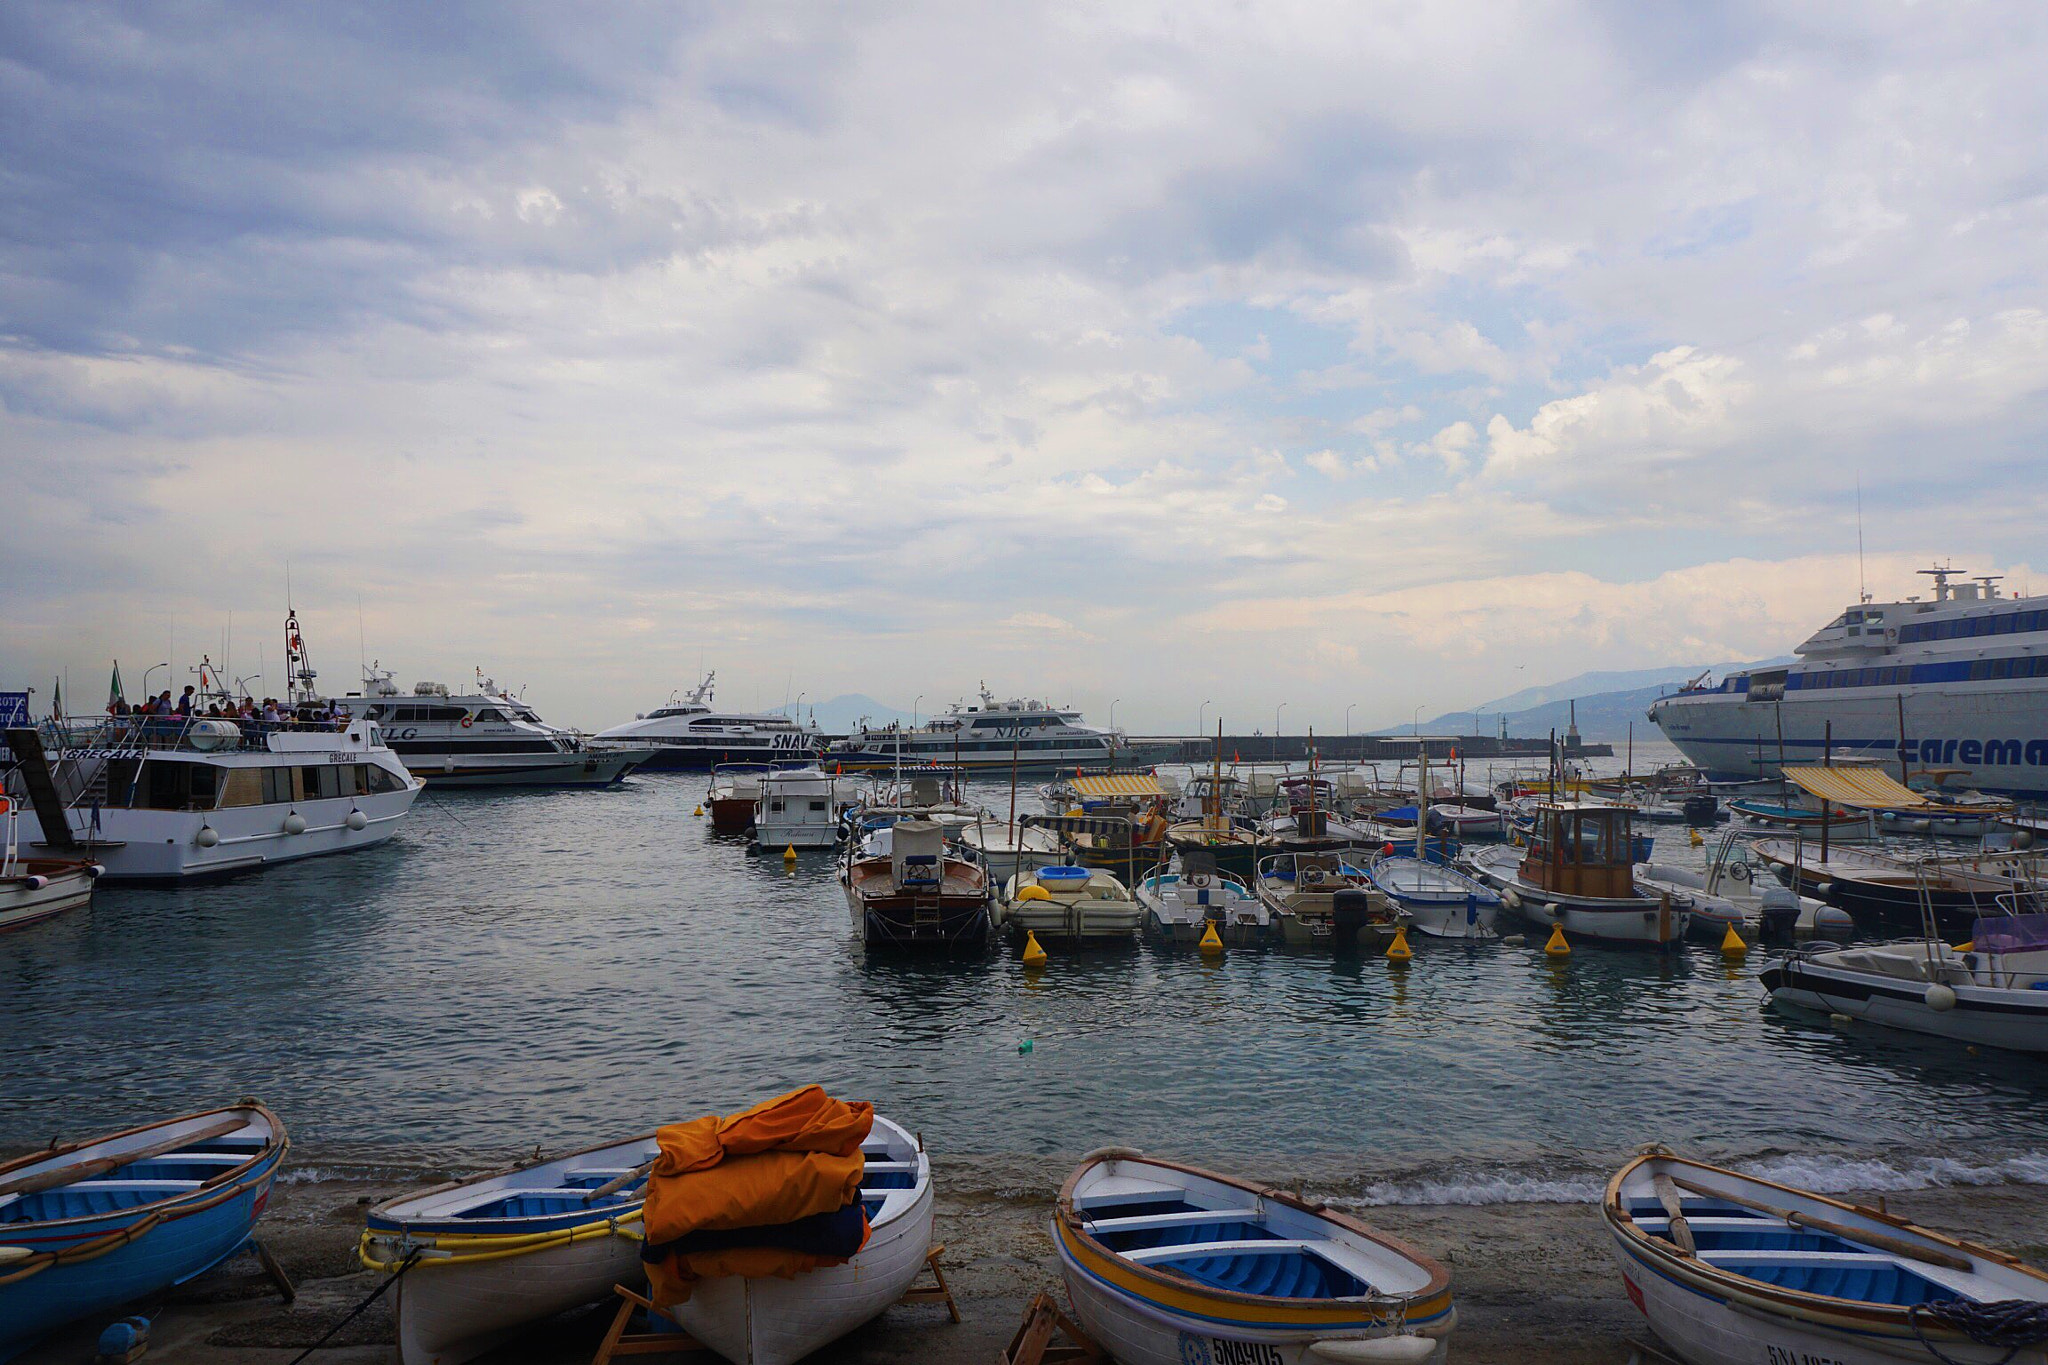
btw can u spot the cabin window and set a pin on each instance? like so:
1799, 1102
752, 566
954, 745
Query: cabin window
244, 787
178, 786
817, 805
489, 713
2001, 668
278, 787
775, 803
384, 780
316, 783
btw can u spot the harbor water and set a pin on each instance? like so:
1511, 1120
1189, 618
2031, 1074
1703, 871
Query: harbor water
560, 968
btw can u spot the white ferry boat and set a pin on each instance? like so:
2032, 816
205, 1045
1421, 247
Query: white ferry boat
690, 733
488, 738
1952, 690
983, 737
161, 798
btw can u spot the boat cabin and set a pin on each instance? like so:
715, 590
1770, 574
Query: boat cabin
1582, 848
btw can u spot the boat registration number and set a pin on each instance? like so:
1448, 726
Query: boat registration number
1196, 1350
1785, 1355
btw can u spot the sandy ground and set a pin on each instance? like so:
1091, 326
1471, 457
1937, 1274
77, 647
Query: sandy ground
1535, 1282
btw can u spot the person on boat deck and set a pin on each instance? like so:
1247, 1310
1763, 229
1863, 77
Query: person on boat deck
271, 715
185, 703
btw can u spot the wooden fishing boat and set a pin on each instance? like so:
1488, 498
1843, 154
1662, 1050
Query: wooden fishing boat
33, 889
1325, 900
495, 1252
1184, 898
771, 1321
1079, 903
89, 1226
1578, 875
1440, 901
1728, 1267
1168, 1264
734, 796
916, 897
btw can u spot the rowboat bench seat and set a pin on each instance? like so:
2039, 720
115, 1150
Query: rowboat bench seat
1867, 1277
1280, 1267
85, 1197
1112, 1191
1145, 1222
528, 1203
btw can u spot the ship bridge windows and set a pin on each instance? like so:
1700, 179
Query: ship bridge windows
490, 713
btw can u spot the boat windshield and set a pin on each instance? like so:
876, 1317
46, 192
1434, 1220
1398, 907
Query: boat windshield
2011, 934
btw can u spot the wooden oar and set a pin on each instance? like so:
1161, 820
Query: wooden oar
619, 1182
1674, 1206
92, 1170
1898, 1246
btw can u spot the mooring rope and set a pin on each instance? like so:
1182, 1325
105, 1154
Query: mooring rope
354, 1313
2008, 1323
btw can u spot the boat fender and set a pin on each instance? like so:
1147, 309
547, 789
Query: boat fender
1401, 1350
95, 870
9, 1255
1112, 1154
356, 820
294, 823
1510, 898
207, 836
1940, 998
35, 882
124, 1340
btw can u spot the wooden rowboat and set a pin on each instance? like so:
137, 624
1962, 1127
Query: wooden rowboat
88, 1227
1168, 1264
771, 1321
1729, 1267
487, 1255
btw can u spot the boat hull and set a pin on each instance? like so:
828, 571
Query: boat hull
778, 1322
447, 1315
1633, 922
2015, 1020
65, 886
162, 845
588, 768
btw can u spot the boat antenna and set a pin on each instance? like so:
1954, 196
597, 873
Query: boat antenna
1862, 594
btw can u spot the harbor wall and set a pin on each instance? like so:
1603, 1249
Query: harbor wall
1354, 748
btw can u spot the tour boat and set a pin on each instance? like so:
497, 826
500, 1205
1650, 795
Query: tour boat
1184, 899
1729, 1267
1325, 900
1439, 900
688, 732
87, 1227
1578, 874
917, 897
1169, 1264
766, 1320
488, 1255
1992, 990
1027, 736
1080, 903
33, 889
486, 738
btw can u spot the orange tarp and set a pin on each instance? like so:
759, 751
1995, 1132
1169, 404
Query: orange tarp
784, 1159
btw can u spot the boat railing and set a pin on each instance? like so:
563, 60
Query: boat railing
199, 734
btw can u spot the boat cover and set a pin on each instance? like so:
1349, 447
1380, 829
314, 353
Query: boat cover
1858, 788
783, 1161
1116, 784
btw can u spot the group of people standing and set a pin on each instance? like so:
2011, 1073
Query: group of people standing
270, 710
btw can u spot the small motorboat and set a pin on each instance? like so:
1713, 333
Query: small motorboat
1578, 874
1728, 1267
1993, 990
1006, 849
1079, 903
1183, 898
33, 889
765, 1320
916, 896
90, 1226
1732, 892
496, 1252
1168, 1264
1460, 822
734, 796
1890, 892
1326, 900
1440, 901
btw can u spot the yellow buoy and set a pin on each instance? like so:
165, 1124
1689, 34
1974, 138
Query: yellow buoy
1695, 838
1398, 950
1210, 942
1732, 944
1034, 893
698, 811
1034, 956
789, 854
1557, 947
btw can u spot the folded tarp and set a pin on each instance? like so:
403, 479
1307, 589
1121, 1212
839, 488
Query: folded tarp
777, 1164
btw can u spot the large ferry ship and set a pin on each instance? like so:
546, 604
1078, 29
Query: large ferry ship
987, 736
487, 738
1953, 690
690, 733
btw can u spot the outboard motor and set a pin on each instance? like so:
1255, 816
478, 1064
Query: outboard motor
1350, 912
1780, 916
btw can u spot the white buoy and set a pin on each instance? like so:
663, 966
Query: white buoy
207, 836
357, 820
295, 823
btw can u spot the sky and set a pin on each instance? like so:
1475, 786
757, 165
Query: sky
1326, 361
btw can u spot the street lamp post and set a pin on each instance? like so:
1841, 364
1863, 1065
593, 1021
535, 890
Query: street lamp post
1112, 713
1347, 719
1276, 728
913, 710
1415, 721
1201, 722
145, 677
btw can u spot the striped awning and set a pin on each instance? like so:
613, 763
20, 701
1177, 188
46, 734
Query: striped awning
1858, 788
1116, 784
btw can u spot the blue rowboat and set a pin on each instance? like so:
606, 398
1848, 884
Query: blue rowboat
487, 1255
1169, 1263
88, 1227
1729, 1267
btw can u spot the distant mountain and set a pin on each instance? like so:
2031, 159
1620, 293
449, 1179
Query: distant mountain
842, 714
1606, 703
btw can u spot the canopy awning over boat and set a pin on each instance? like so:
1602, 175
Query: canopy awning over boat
1858, 788
1116, 784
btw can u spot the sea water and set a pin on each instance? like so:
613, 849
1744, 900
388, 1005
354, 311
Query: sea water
557, 968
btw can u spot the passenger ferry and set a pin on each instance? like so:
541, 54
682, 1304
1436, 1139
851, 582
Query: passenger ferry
689, 733
1953, 690
488, 738
162, 798
983, 737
